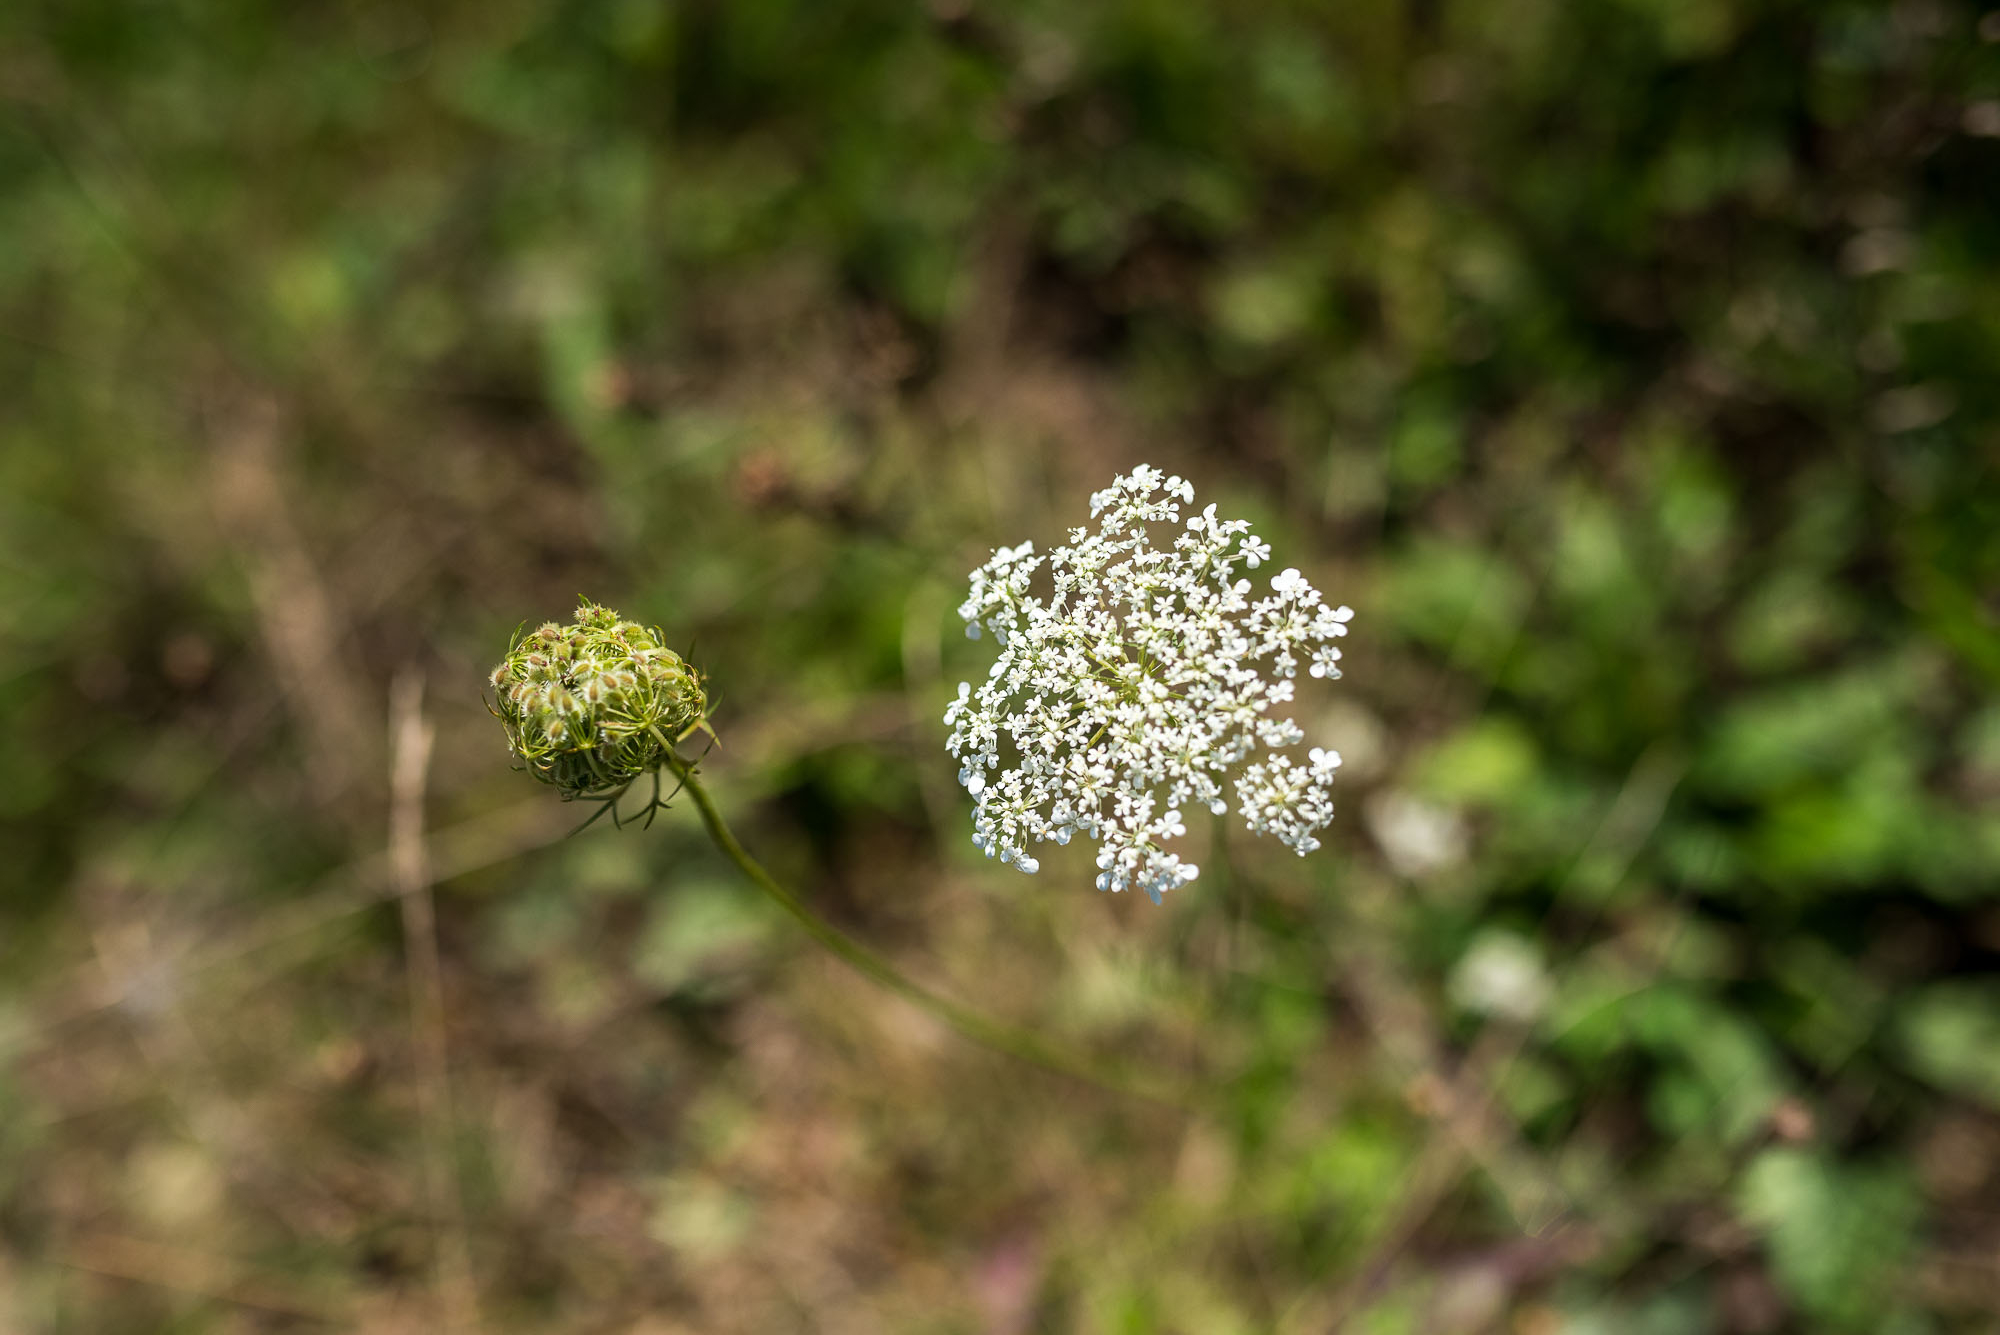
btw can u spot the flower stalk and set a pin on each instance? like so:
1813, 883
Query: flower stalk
593, 707
982, 1029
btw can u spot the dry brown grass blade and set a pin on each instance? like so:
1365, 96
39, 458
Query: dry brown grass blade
297, 614
410, 750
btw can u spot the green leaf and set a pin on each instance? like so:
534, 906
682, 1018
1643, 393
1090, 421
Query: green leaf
1951, 1035
1836, 1233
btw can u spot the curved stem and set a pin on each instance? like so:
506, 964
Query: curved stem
981, 1029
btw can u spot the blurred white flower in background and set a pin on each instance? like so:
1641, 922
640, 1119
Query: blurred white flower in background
1418, 837
1138, 686
1501, 974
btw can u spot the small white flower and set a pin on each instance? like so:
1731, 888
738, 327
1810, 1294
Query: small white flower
1135, 680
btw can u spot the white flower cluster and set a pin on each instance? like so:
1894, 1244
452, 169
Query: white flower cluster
1137, 685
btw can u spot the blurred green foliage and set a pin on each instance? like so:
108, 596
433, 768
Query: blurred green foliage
1630, 365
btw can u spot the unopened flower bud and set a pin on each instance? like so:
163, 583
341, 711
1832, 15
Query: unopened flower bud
591, 706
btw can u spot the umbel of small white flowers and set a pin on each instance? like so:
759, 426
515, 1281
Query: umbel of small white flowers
1140, 683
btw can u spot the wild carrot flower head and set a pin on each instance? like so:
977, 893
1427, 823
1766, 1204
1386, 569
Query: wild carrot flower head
1139, 685
593, 705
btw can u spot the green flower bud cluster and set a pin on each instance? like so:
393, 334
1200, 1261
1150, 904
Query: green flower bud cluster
593, 705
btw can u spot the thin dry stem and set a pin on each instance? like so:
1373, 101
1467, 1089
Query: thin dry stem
411, 735
297, 612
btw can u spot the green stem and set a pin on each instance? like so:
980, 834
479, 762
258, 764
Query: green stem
981, 1029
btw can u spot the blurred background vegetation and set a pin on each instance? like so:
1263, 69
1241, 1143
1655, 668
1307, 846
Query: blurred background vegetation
1629, 365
